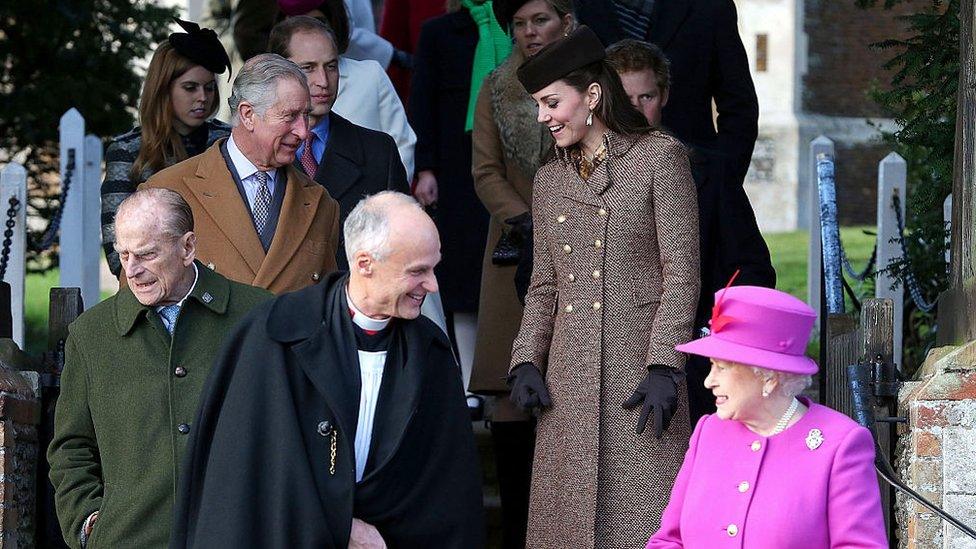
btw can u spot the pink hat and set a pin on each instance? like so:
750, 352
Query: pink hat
298, 7
759, 327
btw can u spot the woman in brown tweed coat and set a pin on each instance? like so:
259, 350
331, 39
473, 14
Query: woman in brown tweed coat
614, 289
508, 147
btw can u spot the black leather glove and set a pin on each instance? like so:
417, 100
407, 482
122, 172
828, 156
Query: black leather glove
521, 230
528, 388
658, 393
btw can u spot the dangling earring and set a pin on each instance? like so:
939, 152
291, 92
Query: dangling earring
589, 119
765, 393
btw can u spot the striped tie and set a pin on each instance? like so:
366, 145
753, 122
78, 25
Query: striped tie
308, 159
262, 202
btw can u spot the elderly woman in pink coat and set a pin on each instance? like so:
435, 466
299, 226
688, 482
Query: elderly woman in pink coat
770, 469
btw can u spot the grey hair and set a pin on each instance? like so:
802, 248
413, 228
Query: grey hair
173, 214
788, 384
367, 228
258, 81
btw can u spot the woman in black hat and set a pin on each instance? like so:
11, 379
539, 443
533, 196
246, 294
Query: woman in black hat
178, 98
613, 290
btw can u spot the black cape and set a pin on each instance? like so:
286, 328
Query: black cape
257, 470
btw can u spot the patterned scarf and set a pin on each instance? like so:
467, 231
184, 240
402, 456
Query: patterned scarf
493, 47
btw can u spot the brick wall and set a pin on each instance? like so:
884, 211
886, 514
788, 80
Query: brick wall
936, 449
19, 416
841, 66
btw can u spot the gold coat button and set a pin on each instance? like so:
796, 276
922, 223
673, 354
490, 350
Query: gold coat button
732, 530
602, 212
596, 274
568, 309
561, 219
756, 445
572, 277
596, 305
598, 243
743, 487
315, 277
567, 248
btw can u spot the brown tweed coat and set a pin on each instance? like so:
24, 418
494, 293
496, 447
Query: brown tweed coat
614, 289
508, 146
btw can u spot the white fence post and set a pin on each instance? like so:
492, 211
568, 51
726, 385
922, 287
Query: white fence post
76, 207
93, 215
892, 174
13, 184
820, 145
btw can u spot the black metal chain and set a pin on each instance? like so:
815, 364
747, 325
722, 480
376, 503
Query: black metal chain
47, 239
909, 277
8, 235
868, 270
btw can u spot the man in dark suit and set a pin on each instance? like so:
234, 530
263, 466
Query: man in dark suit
730, 241
708, 62
348, 160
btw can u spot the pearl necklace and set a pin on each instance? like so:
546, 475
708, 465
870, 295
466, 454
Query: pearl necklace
787, 416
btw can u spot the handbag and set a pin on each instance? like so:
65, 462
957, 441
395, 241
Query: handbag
506, 252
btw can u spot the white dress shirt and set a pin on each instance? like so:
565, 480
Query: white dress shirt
247, 172
371, 365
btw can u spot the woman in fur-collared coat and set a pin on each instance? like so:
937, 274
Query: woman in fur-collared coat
613, 290
508, 147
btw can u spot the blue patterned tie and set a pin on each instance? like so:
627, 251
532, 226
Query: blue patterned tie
168, 314
262, 202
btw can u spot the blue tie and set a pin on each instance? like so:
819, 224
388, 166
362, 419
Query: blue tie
168, 314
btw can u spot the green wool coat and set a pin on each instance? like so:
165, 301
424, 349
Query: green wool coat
129, 395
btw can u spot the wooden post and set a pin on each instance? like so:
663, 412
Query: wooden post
878, 321
957, 306
13, 184
74, 233
65, 306
820, 145
892, 174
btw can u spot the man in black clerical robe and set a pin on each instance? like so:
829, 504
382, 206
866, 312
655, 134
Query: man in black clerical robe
296, 446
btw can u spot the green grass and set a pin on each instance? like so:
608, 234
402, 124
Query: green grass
37, 290
789, 255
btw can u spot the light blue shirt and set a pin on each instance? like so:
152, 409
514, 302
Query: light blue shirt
321, 132
248, 172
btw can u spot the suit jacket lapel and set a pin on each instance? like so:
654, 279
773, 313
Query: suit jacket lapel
339, 170
666, 19
214, 188
298, 209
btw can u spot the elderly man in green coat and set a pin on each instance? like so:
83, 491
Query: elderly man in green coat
134, 368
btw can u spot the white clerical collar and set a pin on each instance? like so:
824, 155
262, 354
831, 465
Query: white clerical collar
196, 275
360, 318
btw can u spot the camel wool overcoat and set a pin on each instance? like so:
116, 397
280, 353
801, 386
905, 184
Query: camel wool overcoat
508, 147
614, 289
